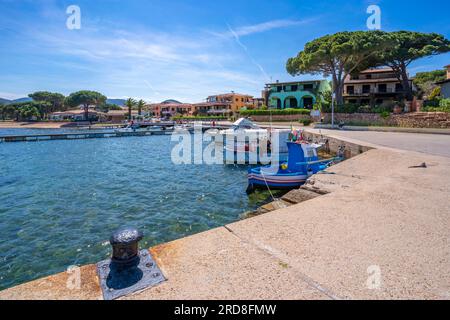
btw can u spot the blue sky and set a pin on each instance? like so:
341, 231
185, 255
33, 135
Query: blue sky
184, 50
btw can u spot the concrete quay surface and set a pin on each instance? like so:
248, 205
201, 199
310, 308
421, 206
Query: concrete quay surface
382, 232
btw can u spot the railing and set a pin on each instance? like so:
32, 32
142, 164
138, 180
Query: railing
372, 91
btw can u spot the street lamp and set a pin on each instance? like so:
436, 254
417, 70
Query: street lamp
333, 98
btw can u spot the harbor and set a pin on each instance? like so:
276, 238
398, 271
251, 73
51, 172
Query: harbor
224, 159
97, 133
153, 199
320, 248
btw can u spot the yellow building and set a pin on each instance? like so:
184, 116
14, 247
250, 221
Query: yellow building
233, 101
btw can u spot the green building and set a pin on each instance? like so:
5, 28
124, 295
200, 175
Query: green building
299, 94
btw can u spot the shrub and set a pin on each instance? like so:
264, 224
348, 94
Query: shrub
443, 106
305, 122
365, 109
385, 114
435, 93
444, 103
386, 107
274, 112
344, 108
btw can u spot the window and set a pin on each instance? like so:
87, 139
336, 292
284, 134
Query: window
379, 102
382, 88
369, 76
398, 87
279, 88
294, 88
366, 88
307, 86
350, 89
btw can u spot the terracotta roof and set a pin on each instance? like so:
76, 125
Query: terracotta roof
230, 94
293, 82
120, 112
381, 70
169, 105
212, 104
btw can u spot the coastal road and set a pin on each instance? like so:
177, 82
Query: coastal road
434, 144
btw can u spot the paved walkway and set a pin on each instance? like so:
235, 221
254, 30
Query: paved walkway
382, 233
426, 143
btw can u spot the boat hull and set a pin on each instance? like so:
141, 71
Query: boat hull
279, 181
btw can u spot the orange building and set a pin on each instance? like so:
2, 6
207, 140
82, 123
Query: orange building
170, 108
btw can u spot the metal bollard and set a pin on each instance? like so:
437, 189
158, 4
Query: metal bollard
125, 246
129, 270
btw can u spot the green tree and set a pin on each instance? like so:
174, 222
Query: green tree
435, 93
8, 111
25, 111
130, 104
339, 55
106, 107
86, 99
56, 100
28, 112
409, 46
140, 106
426, 81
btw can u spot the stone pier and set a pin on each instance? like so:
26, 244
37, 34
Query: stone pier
378, 229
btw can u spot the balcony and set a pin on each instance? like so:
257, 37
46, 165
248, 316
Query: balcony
361, 92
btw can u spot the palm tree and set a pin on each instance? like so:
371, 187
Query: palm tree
130, 103
140, 105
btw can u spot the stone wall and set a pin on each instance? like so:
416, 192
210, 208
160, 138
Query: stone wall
407, 120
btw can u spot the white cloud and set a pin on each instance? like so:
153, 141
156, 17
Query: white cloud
265, 26
148, 64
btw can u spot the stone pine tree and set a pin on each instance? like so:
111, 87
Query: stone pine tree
55, 101
407, 47
86, 99
339, 55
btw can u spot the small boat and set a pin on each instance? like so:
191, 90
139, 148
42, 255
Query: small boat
247, 143
254, 152
302, 163
140, 128
243, 127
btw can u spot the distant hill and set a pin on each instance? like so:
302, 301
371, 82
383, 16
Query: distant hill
6, 101
119, 102
22, 100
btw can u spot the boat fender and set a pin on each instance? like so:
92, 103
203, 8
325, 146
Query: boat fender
284, 166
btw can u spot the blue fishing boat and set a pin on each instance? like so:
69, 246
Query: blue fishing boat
303, 162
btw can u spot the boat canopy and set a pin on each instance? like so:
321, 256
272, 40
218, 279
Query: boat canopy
244, 123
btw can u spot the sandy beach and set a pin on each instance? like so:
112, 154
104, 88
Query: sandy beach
31, 125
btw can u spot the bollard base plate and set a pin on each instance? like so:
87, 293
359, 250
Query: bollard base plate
116, 282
